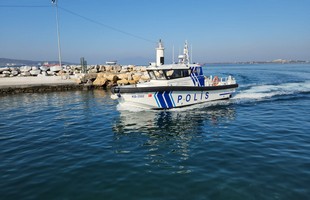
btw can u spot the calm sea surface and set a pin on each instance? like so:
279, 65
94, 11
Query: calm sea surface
81, 145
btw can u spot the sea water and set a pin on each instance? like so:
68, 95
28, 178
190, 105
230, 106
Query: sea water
82, 145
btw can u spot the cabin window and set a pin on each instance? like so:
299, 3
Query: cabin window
160, 74
157, 74
177, 73
197, 71
186, 72
169, 74
152, 75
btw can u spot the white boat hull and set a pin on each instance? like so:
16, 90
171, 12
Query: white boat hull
175, 85
172, 99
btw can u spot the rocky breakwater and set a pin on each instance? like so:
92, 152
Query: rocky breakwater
96, 75
28, 71
107, 76
27, 79
9, 71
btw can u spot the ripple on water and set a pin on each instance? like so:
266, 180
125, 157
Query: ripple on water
78, 144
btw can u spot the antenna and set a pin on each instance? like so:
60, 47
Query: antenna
58, 35
191, 58
173, 54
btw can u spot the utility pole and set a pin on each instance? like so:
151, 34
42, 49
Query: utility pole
54, 2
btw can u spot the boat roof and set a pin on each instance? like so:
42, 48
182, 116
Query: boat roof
172, 66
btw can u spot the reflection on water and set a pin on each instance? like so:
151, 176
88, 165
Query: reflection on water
171, 122
167, 137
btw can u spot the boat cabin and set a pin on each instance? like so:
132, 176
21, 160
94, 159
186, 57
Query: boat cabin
172, 73
168, 74
193, 72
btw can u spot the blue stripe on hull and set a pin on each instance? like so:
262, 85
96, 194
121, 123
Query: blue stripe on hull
161, 100
156, 99
167, 98
170, 94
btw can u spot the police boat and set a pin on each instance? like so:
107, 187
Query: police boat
174, 85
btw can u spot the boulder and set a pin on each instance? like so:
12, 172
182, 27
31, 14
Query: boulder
109, 84
14, 73
136, 69
67, 67
13, 69
112, 77
129, 76
130, 68
78, 81
60, 73
89, 82
100, 81
136, 77
35, 72
101, 68
68, 71
25, 68
44, 68
124, 70
144, 78
76, 67
108, 68
85, 77
93, 71
122, 82
42, 74
101, 75
50, 73
25, 74
117, 68
4, 69
75, 71
6, 72
4, 75
122, 76
143, 69
56, 68
132, 82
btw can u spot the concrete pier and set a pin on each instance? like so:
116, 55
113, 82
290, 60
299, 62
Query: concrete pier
39, 88
15, 85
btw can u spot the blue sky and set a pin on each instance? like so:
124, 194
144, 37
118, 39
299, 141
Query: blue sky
127, 31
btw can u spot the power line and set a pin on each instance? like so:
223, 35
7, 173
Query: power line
83, 17
105, 25
22, 6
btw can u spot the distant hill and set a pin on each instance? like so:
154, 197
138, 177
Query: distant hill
17, 62
277, 61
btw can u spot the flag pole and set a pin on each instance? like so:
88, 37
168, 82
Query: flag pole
58, 35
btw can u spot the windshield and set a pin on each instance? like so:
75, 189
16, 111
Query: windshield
157, 74
169, 74
177, 73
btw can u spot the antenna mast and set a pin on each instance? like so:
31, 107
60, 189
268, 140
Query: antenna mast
58, 35
191, 58
173, 54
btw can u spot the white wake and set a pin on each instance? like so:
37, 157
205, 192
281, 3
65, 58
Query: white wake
260, 92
